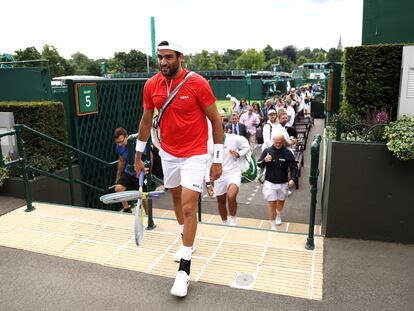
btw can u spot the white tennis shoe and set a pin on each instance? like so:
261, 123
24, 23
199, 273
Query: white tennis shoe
177, 255
278, 219
180, 287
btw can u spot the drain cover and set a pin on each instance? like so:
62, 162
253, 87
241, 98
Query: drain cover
243, 280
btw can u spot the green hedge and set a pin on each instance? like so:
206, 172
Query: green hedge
372, 77
48, 118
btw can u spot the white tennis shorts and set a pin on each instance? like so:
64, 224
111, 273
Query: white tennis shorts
274, 192
187, 172
222, 184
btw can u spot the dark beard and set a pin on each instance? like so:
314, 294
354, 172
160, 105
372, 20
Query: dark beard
171, 71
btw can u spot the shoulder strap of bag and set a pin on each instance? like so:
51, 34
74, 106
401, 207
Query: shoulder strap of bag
171, 98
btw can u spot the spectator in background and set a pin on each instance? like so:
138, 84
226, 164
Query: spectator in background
235, 127
269, 128
258, 111
267, 105
125, 180
243, 106
251, 121
234, 102
291, 114
289, 141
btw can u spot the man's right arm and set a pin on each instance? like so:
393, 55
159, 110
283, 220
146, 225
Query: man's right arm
144, 132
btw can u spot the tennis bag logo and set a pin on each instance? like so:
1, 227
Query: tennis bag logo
249, 168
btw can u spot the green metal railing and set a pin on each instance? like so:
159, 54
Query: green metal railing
313, 180
71, 151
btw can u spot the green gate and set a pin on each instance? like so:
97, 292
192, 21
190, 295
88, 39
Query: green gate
118, 104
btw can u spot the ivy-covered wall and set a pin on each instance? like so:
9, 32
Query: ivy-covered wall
372, 77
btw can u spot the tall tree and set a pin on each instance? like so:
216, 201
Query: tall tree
251, 59
57, 64
290, 51
334, 55
134, 61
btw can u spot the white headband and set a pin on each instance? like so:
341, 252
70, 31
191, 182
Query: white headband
171, 46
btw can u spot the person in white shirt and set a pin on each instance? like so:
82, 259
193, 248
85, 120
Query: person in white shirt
290, 142
269, 128
226, 188
234, 102
291, 114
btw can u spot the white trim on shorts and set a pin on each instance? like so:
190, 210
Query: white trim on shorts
274, 192
187, 172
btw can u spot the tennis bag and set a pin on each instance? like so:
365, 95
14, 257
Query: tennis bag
249, 167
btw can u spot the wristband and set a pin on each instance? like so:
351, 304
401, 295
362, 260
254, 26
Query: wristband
218, 153
140, 145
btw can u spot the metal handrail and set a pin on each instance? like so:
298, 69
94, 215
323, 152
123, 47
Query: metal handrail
313, 181
26, 168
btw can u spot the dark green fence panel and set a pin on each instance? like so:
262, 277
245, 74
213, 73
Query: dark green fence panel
25, 84
237, 88
119, 105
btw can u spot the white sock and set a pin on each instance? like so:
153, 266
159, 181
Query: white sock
181, 229
186, 252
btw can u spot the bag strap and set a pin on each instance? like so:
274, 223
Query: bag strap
170, 98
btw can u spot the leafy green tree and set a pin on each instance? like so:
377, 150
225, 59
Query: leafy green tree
82, 65
290, 51
57, 64
251, 59
29, 53
268, 53
134, 61
334, 55
204, 61
306, 52
301, 60
217, 58
230, 56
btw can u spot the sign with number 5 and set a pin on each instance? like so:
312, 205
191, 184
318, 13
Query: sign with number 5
86, 98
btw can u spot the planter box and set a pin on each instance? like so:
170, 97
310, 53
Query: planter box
45, 189
368, 193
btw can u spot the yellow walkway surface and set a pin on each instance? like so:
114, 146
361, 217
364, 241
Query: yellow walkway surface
277, 261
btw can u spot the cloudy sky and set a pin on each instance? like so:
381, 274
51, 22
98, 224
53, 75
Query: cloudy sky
100, 28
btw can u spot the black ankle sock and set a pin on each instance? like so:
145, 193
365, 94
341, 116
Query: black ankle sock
185, 266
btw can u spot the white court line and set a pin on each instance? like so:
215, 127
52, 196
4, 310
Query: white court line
312, 276
203, 269
156, 261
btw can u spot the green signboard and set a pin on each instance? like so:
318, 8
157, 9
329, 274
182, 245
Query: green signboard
86, 98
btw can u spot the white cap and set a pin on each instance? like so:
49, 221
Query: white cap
271, 111
228, 96
174, 46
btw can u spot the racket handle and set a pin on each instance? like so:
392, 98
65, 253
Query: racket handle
141, 179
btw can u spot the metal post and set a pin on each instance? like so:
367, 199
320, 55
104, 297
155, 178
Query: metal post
22, 155
150, 185
70, 175
338, 130
153, 38
313, 181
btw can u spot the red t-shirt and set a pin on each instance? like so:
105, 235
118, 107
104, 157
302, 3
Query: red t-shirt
183, 126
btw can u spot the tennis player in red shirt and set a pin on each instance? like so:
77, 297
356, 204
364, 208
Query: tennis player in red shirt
183, 152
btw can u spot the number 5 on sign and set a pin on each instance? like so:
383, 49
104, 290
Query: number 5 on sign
86, 98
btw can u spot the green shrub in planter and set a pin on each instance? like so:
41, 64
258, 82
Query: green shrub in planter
4, 174
400, 138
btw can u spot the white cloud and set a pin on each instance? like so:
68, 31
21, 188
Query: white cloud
98, 29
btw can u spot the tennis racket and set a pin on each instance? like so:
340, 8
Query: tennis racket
130, 195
